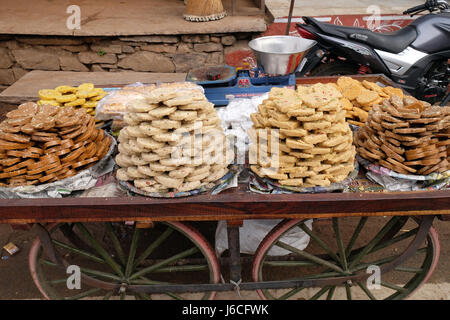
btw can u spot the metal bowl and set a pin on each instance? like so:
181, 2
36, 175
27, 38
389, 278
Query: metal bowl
280, 55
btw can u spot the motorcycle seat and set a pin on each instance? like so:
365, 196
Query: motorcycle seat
393, 42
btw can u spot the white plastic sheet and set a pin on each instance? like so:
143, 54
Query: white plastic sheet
253, 232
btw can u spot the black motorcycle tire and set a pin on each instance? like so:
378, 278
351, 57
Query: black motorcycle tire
334, 69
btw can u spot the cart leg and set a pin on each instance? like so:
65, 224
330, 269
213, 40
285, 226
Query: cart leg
235, 252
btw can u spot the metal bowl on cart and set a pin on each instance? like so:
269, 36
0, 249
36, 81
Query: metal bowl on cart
280, 55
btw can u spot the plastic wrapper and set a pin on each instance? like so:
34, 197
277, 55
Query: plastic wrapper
114, 105
253, 232
393, 181
81, 181
236, 121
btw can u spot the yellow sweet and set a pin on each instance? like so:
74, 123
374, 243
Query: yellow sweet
90, 104
99, 97
86, 87
86, 94
46, 94
66, 89
77, 102
66, 98
48, 102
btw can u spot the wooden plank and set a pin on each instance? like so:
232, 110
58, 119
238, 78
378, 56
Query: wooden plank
27, 87
232, 204
124, 18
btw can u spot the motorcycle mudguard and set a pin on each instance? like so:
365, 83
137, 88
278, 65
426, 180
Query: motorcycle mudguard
355, 52
312, 59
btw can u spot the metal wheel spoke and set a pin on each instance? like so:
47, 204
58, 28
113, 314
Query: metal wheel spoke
115, 241
48, 263
377, 263
337, 233
132, 253
106, 275
348, 291
84, 294
331, 292
89, 272
153, 246
366, 291
188, 268
320, 293
401, 237
372, 243
355, 235
58, 281
392, 286
290, 293
78, 251
310, 257
165, 262
105, 255
319, 242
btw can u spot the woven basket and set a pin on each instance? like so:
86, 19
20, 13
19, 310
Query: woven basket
204, 10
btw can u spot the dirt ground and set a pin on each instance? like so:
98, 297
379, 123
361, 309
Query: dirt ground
16, 282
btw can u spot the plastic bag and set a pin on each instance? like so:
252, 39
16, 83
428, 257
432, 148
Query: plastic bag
253, 232
114, 105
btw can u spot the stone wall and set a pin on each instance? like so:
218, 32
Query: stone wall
20, 54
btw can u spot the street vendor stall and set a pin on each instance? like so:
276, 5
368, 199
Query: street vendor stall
113, 216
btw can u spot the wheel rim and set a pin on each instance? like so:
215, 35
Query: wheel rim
123, 258
331, 276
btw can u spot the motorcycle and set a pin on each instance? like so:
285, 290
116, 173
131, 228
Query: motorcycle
415, 57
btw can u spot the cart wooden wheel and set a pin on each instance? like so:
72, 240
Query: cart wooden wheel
345, 256
113, 257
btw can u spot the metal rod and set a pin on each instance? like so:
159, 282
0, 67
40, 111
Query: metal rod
291, 9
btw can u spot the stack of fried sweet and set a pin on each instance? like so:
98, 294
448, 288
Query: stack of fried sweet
407, 136
300, 138
358, 98
173, 141
42, 144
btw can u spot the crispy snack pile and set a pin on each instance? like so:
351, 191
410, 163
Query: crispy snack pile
359, 98
314, 141
42, 144
173, 142
407, 136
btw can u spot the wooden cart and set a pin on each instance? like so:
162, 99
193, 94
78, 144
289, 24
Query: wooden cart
359, 242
